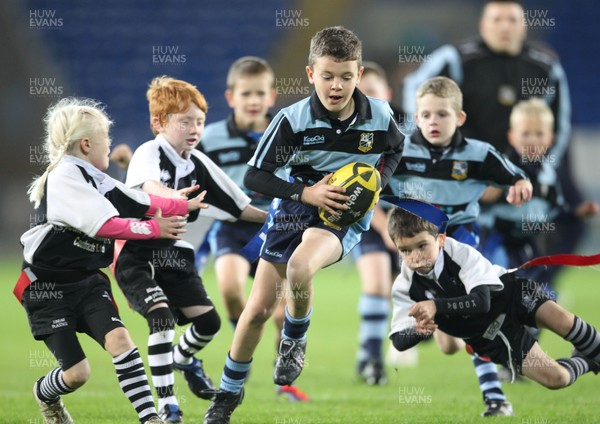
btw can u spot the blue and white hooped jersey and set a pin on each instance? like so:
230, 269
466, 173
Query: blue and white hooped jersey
231, 149
452, 178
305, 143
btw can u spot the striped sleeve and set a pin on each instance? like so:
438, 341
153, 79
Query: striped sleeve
391, 158
561, 107
225, 199
276, 145
144, 165
498, 169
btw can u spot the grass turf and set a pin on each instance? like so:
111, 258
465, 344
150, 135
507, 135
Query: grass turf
441, 389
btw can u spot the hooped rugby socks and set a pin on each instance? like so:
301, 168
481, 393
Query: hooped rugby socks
52, 385
585, 339
134, 383
374, 312
489, 383
160, 356
576, 366
190, 342
234, 375
295, 328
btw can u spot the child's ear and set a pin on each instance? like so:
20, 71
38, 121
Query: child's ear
84, 145
462, 117
229, 97
155, 123
273, 97
442, 239
510, 135
360, 72
310, 73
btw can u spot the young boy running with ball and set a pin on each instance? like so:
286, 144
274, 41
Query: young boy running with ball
308, 141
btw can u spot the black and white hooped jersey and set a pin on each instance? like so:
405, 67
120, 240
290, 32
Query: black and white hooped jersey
78, 200
302, 141
452, 178
459, 268
156, 160
231, 149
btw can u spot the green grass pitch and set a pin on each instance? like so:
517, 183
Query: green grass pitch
441, 389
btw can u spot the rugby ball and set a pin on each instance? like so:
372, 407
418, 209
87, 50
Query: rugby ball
363, 184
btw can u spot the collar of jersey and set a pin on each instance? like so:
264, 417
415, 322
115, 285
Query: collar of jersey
177, 160
234, 131
92, 171
437, 268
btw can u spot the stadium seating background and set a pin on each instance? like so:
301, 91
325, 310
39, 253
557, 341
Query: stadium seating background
106, 50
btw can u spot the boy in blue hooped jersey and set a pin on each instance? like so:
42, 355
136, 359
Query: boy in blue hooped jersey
308, 141
231, 143
441, 166
513, 233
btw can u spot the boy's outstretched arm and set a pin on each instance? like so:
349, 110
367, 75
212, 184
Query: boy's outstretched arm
410, 337
520, 193
253, 214
478, 301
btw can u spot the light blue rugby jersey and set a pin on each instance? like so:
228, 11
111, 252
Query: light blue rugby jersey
231, 149
453, 178
303, 142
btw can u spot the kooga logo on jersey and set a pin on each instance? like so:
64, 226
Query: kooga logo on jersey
317, 139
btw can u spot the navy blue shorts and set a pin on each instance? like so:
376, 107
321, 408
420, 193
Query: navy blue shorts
229, 237
292, 219
371, 241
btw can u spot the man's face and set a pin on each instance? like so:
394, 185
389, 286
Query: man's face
502, 27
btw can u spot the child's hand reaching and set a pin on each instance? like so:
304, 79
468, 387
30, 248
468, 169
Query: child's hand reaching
587, 209
185, 192
424, 313
170, 227
426, 329
520, 193
196, 202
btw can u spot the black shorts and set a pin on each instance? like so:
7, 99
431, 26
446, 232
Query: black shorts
371, 241
292, 219
229, 237
160, 275
524, 297
84, 306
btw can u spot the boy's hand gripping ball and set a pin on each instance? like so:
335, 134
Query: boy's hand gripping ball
363, 184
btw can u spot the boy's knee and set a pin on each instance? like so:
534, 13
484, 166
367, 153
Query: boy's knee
449, 348
298, 271
557, 380
118, 341
77, 375
208, 323
160, 320
232, 296
258, 315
